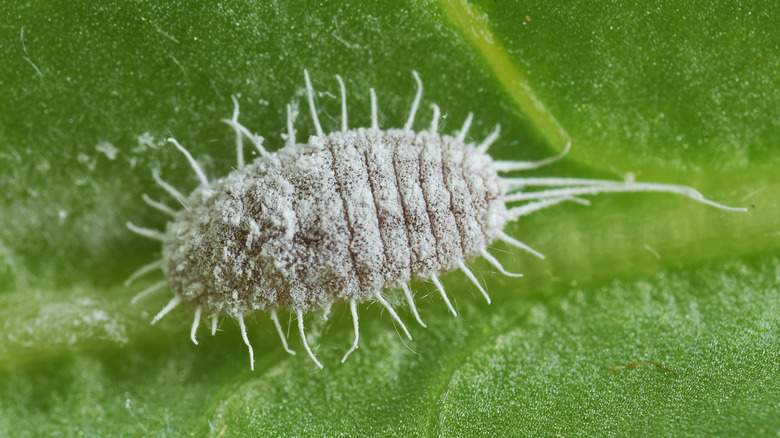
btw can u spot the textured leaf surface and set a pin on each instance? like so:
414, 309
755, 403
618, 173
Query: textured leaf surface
673, 93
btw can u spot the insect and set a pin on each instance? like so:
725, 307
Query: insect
346, 216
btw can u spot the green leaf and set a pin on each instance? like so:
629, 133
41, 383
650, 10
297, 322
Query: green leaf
675, 93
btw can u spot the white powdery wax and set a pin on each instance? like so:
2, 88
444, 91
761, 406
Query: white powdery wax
346, 216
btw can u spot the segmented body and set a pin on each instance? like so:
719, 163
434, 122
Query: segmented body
341, 217
347, 216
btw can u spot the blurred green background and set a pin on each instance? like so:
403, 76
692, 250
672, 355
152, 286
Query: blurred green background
679, 93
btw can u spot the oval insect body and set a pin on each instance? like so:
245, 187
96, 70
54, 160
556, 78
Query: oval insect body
340, 218
346, 216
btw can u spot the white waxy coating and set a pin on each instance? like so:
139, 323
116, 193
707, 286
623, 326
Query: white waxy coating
347, 215
338, 219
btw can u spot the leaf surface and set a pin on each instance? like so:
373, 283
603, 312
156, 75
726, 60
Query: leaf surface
671, 93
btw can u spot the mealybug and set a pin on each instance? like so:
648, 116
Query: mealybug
346, 216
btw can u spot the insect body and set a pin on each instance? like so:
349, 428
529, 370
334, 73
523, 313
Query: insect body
346, 216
